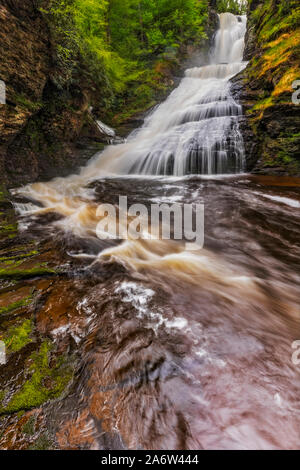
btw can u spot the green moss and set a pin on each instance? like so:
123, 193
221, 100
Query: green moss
36, 391
18, 336
131, 111
13, 306
6, 228
20, 256
17, 259
270, 74
280, 22
12, 262
18, 274
274, 19
281, 153
262, 104
289, 145
285, 158
26, 104
293, 137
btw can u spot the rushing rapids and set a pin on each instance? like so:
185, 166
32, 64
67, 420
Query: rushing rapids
196, 130
178, 350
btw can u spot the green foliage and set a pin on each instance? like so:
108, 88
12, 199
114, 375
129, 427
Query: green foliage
276, 19
140, 27
272, 71
36, 391
26, 104
61, 22
237, 7
18, 336
15, 305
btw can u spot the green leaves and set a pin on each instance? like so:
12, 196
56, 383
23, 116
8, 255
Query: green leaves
117, 40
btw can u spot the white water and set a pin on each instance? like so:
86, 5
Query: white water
196, 129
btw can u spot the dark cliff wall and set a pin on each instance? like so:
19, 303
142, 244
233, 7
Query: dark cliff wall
272, 121
24, 67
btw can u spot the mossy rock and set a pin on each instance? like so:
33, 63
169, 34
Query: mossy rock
17, 274
18, 336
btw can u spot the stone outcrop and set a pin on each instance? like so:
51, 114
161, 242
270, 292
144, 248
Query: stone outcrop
47, 130
271, 120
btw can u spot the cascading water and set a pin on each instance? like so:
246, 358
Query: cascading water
178, 349
196, 130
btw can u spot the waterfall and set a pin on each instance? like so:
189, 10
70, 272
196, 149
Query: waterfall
196, 130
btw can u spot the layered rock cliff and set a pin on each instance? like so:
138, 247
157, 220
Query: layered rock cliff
265, 88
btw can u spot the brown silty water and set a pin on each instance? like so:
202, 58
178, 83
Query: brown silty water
184, 350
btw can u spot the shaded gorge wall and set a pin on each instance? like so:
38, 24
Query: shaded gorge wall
272, 121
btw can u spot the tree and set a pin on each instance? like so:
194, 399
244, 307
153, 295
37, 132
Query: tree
237, 7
